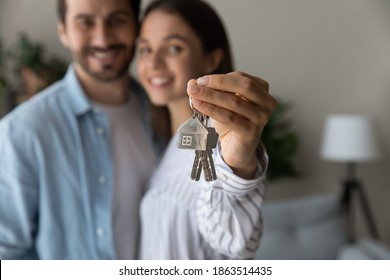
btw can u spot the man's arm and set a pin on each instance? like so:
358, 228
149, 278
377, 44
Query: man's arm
18, 196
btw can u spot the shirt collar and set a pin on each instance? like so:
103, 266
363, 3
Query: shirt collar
75, 94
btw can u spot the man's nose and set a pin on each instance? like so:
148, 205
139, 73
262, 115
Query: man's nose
102, 36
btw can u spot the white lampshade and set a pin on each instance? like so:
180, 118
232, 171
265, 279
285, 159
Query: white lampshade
349, 138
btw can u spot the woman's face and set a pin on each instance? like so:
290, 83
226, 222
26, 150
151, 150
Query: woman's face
169, 55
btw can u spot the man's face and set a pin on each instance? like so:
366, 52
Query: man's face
100, 35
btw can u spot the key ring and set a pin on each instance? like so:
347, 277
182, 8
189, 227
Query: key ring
196, 112
192, 106
202, 117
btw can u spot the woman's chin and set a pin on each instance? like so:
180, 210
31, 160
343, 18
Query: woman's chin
158, 102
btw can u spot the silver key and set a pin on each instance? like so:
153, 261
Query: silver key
196, 167
194, 134
206, 155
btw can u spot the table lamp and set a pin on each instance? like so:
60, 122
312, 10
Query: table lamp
350, 139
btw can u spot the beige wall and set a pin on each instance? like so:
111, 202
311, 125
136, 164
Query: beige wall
324, 56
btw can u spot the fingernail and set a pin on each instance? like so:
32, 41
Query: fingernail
193, 89
203, 81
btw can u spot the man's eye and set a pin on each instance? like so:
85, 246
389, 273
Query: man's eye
118, 21
86, 23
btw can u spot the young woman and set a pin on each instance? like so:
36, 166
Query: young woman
180, 218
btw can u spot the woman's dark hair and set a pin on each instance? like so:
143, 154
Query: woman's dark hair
134, 5
206, 24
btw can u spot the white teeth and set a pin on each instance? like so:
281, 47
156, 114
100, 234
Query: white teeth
103, 55
159, 81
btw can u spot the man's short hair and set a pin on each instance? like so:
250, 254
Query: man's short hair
134, 5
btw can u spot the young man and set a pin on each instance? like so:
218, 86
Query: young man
75, 158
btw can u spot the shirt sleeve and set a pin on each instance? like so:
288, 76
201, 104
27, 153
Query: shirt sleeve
18, 195
229, 209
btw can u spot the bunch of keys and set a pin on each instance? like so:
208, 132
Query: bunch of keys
195, 135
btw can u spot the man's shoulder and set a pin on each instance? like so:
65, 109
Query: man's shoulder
38, 110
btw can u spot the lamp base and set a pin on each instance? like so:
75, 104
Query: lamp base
352, 188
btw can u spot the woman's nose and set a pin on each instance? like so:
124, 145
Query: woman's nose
157, 59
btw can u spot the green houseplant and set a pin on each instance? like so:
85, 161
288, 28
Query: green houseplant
31, 55
36, 70
281, 143
3, 80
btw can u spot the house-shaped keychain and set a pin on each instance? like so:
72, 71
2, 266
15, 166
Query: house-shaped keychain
194, 135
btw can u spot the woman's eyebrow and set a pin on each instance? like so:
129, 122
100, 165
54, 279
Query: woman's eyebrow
175, 36
140, 40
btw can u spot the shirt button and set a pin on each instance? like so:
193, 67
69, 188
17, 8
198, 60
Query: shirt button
99, 231
100, 130
102, 179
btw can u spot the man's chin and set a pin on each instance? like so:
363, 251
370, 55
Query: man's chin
104, 77
104, 73
108, 75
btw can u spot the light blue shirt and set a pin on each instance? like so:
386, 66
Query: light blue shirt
54, 151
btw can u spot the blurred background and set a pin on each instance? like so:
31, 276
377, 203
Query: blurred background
321, 58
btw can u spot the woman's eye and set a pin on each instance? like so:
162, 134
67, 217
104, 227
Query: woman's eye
144, 50
174, 49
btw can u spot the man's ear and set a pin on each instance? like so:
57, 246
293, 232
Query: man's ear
214, 60
62, 34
